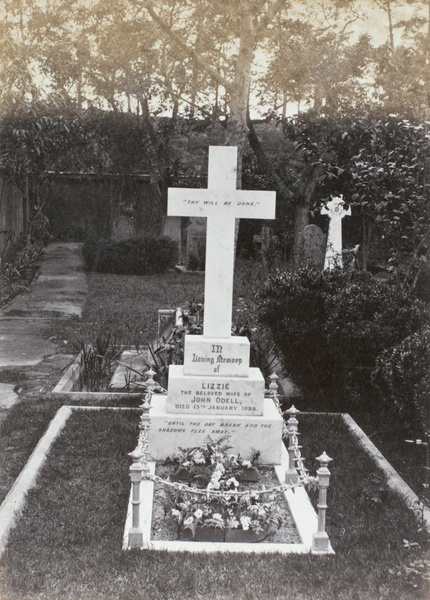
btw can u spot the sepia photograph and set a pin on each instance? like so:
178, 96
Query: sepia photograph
214, 299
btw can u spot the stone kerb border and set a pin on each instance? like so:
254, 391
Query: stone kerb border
14, 502
393, 479
65, 386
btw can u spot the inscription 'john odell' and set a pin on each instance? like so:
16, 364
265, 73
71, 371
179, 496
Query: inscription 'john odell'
211, 360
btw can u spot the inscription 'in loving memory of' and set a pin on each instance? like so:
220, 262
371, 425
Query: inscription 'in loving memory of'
220, 359
211, 360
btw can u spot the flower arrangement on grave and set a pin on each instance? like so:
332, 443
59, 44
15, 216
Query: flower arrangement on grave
224, 477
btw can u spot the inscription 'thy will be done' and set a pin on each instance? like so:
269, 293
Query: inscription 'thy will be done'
219, 203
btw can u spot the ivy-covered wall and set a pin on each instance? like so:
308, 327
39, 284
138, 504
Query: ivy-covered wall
13, 212
80, 204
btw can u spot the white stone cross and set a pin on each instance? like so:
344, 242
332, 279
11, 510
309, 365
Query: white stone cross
335, 211
221, 203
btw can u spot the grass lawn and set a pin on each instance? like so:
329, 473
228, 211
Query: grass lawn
68, 542
126, 306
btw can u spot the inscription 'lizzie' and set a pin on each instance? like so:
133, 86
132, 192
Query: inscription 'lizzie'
215, 386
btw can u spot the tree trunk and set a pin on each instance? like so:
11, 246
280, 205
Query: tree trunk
318, 98
265, 164
284, 105
390, 24
195, 76
427, 52
79, 90
158, 175
175, 109
237, 129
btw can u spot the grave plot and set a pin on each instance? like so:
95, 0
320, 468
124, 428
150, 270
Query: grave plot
215, 394
91, 376
216, 520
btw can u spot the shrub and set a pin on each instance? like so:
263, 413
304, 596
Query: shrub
330, 327
248, 277
145, 256
402, 377
18, 265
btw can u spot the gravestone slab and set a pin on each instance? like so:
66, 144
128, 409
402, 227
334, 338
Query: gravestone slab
172, 229
169, 432
231, 395
123, 229
125, 377
312, 246
196, 236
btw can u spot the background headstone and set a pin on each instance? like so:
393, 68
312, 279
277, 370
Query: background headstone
196, 237
335, 210
172, 228
123, 229
312, 245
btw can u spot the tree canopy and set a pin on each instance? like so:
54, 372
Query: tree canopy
201, 57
